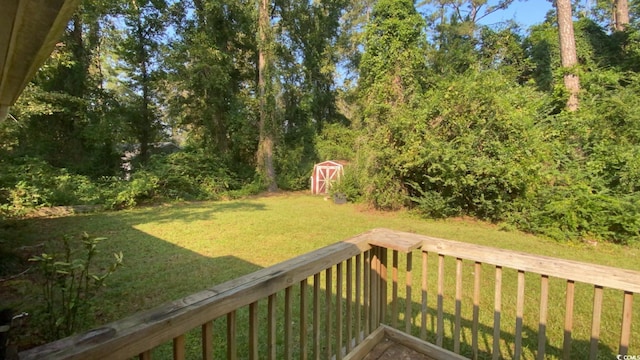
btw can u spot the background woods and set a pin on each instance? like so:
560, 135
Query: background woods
536, 128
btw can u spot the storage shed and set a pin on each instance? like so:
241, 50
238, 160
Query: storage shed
324, 174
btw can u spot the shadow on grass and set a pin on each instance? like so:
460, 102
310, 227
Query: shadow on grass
155, 271
579, 348
190, 212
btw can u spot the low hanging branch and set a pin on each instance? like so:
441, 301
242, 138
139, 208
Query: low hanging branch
15, 276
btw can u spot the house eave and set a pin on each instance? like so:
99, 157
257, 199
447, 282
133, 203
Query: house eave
29, 30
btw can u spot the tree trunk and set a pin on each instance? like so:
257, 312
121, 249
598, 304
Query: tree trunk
265, 144
568, 52
620, 15
144, 128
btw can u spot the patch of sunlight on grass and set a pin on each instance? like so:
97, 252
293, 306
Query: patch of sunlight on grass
175, 250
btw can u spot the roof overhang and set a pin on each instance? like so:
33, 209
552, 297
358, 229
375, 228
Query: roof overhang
29, 30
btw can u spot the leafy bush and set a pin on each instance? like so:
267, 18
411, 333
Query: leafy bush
336, 142
70, 282
293, 168
578, 211
27, 183
472, 148
191, 175
592, 190
126, 194
349, 185
431, 203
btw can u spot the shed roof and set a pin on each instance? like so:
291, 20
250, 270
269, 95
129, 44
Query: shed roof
332, 163
29, 30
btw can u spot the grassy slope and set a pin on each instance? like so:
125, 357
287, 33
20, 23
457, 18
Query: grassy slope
172, 251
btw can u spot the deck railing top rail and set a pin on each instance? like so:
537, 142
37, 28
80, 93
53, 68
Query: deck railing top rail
145, 330
600, 275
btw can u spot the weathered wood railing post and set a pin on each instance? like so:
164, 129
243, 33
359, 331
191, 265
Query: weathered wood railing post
382, 243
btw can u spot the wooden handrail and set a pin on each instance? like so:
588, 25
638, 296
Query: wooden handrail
600, 275
627, 282
136, 334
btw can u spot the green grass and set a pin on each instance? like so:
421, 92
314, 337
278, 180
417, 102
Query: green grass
174, 250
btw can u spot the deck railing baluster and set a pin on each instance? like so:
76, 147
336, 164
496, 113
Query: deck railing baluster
207, 343
544, 310
178, 348
568, 320
374, 305
458, 309
232, 346
625, 333
497, 308
366, 292
595, 322
440, 326
253, 331
476, 309
349, 305
288, 323
327, 312
383, 285
339, 341
303, 320
408, 314
394, 290
423, 315
358, 299
519, 316
440, 321
271, 326
316, 316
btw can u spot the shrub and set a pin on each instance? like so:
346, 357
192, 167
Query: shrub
190, 175
293, 168
336, 142
473, 147
349, 185
125, 194
69, 283
29, 183
578, 211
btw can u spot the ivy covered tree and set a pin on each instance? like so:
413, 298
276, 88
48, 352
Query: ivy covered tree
390, 86
568, 54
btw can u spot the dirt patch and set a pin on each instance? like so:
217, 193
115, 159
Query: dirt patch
60, 211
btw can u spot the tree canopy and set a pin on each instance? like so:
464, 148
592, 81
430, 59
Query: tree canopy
536, 128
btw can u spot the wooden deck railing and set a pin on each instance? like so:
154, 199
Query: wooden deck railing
322, 304
620, 284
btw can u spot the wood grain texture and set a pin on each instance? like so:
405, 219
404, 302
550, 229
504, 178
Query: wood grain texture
544, 311
595, 322
207, 341
606, 276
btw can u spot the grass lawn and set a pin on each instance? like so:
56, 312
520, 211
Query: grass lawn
174, 250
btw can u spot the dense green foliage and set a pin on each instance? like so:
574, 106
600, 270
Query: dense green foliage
30, 183
431, 109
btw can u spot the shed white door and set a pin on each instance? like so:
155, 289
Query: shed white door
324, 176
